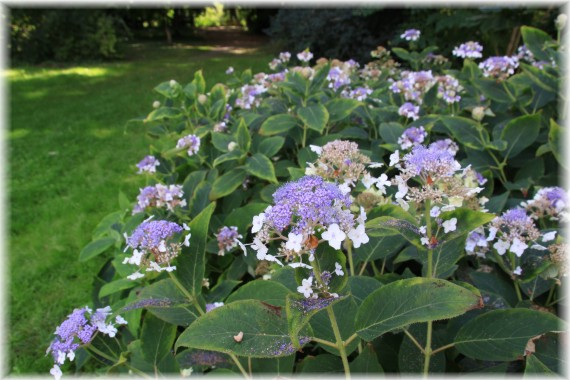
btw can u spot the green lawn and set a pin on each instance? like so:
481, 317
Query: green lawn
70, 153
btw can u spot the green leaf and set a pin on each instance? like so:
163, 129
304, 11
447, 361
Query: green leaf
227, 183
555, 138
425, 300
319, 78
191, 264
226, 157
157, 337
95, 248
366, 363
536, 41
261, 167
270, 146
391, 132
107, 223
199, 82
535, 367
221, 141
321, 364
315, 117
164, 300
164, 113
340, 109
242, 136
222, 290
500, 290
378, 248
541, 78
495, 90
277, 124
467, 131
502, 335
467, 221
520, 133
361, 286
116, 286
270, 292
402, 53
264, 329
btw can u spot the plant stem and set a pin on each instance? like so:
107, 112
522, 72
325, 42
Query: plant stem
517, 289
349, 250
322, 341
339, 342
242, 370
191, 298
550, 294
418, 345
100, 353
350, 339
304, 135
429, 274
442, 348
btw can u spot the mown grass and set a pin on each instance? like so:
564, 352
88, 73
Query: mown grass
70, 154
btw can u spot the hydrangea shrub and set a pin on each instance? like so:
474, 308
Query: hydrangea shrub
394, 216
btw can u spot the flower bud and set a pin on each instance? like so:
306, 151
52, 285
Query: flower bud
560, 21
478, 113
306, 72
156, 104
232, 145
172, 83
202, 99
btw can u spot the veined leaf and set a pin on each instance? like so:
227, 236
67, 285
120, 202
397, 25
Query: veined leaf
520, 133
260, 331
413, 300
277, 124
261, 167
315, 117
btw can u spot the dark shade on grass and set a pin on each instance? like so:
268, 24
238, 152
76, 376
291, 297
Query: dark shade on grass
69, 155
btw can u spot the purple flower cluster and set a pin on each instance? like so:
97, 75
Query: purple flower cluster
413, 85
337, 78
154, 243
190, 142
227, 239
159, 196
150, 234
449, 89
409, 110
250, 96
148, 164
359, 93
499, 67
305, 55
447, 145
411, 35
412, 136
309, 202
549, 201
78, 330
430, 162
469, 49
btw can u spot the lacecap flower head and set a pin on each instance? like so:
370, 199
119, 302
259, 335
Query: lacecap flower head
155, 243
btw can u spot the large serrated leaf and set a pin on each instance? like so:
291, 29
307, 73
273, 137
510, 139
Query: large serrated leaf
95, 248
157, 337
315, 117
340, 109
263, 329
191, 264
502, 335
520, 133
413, 300
271, 292
277, 124
243, 137
227, 183
261, 167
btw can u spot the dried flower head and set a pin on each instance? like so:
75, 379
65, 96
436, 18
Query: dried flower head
159, 196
